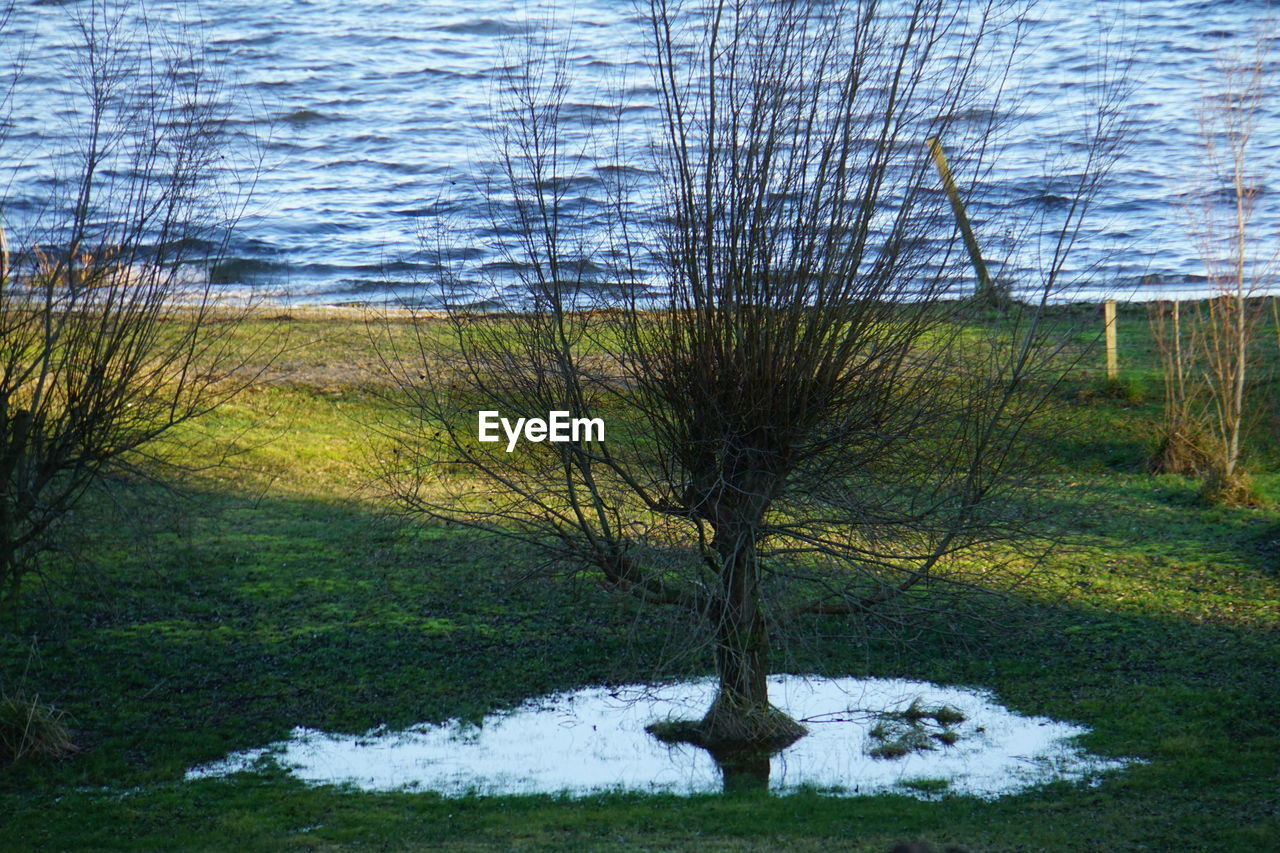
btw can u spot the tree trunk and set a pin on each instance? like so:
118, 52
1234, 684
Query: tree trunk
741, 715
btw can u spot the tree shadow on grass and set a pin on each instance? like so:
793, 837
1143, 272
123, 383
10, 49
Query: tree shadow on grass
1163, 521
263, 615
255, 616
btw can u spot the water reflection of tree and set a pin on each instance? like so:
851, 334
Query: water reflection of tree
743, 768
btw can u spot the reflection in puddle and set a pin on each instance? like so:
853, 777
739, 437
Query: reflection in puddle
594, 739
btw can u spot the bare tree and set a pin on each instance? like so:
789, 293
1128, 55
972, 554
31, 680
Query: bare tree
1210, 351
1241, 268
108, 338
803, 416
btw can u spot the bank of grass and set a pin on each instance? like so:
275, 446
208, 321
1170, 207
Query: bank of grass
181, 625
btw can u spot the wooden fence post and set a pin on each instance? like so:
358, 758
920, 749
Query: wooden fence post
1109, 319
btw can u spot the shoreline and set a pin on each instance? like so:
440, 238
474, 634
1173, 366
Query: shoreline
355, 310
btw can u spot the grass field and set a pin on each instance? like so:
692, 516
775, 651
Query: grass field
186, 620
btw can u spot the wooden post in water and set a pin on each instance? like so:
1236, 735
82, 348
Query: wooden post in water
1109, 321
986, 288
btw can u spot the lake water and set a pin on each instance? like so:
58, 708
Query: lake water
376, 109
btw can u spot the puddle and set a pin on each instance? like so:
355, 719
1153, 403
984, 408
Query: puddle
593, 740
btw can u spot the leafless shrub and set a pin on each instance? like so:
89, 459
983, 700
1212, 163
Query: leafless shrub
107, 341
1209, 356
1179, 441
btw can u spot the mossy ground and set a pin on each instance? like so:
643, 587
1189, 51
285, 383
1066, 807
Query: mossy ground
182, 624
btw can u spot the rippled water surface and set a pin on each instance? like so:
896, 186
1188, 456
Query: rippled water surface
594, 739
375, 109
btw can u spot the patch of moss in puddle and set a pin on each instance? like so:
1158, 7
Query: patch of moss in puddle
916, 729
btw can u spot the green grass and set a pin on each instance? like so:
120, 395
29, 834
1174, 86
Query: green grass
181, 625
